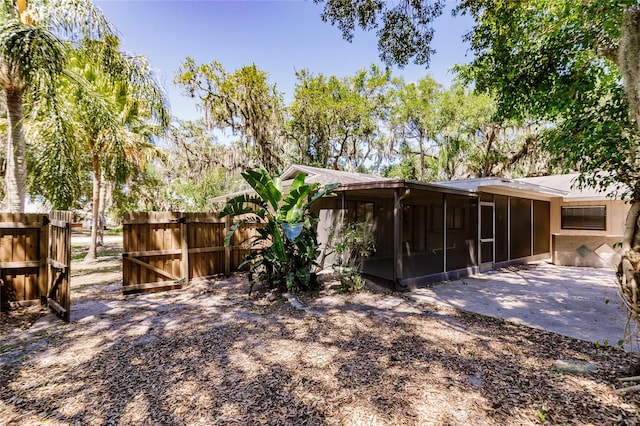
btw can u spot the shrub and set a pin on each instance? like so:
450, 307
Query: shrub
284, 248
355, 242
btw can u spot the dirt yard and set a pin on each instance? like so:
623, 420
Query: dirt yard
211, 355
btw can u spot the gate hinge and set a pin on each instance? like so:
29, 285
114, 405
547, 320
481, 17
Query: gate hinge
179, 220
45, 220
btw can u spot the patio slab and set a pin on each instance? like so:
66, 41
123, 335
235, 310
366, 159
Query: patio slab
578, 302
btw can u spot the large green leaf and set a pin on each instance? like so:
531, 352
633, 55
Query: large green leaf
234, 226
294, 205
295, 214
264, 185
243, 204
277, 246
297, 182
286, 252
325, 191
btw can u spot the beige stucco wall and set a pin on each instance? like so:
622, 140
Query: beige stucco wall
616, 215
598, 249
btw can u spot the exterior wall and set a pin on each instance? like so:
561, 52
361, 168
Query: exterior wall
330, 216
586, 250
599, 249
616, 216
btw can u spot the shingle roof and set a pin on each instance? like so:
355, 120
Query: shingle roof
327, 176
554, 186
569, 183
315, 175
474, 184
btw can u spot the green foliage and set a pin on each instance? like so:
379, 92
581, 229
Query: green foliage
567, 62
404, 28
337, 122
569, 66
537, 57
542, 415
33, 51
284, 248
353, 243
414, 121
241, 102
351, 282
452, 133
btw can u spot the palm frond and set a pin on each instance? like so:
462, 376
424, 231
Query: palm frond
72, 20
29, 54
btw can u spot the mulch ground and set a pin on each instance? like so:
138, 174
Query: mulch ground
210, 354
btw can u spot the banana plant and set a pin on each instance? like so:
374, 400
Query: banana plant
283, 249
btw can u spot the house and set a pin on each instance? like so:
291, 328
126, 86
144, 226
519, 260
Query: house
587, 226
430, 232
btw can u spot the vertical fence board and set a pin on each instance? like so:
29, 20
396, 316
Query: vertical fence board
43, 252
184, 247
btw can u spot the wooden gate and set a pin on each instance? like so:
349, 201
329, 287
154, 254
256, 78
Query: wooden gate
59, 262
35, 254
164, 250
152, 252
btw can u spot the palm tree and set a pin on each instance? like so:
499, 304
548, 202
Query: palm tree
32, 56
112, 108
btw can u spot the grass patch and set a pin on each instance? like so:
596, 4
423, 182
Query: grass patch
109, 252
79, 272
7, 348
113, 231
79, 254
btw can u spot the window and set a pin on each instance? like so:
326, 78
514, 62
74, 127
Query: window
360, 211
585, 217
455, 218
364, 212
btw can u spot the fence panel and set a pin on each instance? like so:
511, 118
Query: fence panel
164, 250
205, 244
152, 251
23, 259
59, 261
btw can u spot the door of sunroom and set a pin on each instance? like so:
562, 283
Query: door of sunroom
486, 237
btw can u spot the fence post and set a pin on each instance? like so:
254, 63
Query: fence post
185, 249
227, 248
43, 273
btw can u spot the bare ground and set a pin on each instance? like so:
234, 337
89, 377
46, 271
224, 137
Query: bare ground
209, 354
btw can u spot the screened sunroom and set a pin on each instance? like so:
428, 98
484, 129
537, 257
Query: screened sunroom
427, 233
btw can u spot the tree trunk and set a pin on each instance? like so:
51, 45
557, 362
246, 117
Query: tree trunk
422, 155
629, 267
16, 175
104, 195
92, 254
490, 136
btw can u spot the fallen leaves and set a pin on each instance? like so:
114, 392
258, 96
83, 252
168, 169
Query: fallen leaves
209, 354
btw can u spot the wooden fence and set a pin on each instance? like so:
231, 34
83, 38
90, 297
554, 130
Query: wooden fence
35, 257
24, 240
164, 250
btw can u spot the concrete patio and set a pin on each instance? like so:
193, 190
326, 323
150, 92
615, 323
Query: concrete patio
578, 302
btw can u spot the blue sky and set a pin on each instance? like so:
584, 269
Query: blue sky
280, 37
